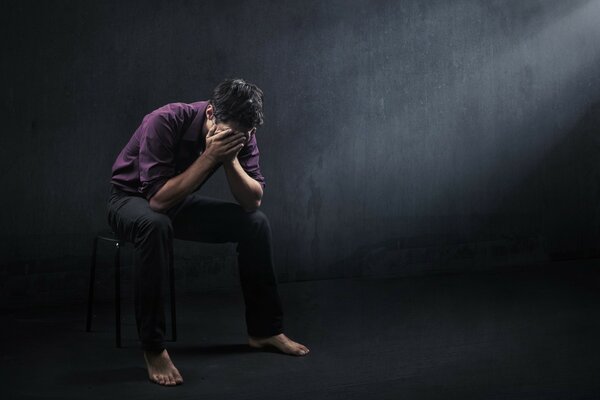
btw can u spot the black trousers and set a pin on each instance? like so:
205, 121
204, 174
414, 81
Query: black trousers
203, 219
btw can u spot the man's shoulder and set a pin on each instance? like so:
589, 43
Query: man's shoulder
177, 109
176, 114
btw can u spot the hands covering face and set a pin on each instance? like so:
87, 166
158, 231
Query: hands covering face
223, 143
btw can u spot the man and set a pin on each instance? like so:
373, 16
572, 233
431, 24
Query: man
155, 198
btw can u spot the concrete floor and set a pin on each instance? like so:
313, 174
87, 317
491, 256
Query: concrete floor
513, 334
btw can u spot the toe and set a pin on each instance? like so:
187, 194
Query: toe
178, 378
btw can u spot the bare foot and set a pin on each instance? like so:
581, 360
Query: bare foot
161, 369
281, 342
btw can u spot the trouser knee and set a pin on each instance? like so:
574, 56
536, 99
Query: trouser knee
154, 228
256, 222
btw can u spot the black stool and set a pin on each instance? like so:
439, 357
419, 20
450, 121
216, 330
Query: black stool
119, 242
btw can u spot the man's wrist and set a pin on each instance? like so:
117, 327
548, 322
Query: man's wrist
209, 158
230, 163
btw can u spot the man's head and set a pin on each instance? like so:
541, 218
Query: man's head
236, 104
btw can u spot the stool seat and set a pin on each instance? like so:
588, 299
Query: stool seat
111, 237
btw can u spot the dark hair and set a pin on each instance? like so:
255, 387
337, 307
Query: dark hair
239, 101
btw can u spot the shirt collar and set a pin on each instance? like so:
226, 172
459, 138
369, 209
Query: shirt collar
194, 131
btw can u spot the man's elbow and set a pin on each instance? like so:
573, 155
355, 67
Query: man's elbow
252, 207
155, 205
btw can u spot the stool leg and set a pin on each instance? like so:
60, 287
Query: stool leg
88, 319
118, 293
172, 284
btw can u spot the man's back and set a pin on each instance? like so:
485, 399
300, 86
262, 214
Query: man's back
166, 143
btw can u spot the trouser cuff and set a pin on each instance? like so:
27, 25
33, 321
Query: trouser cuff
153, 347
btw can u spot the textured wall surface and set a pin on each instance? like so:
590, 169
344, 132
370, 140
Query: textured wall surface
400, 136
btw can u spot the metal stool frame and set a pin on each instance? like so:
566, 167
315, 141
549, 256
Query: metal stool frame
118, 244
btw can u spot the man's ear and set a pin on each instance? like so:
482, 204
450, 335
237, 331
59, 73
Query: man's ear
209, 111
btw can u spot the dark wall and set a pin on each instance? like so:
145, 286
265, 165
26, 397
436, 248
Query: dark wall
400, 136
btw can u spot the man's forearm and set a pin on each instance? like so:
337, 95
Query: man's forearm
247, 191
178, 187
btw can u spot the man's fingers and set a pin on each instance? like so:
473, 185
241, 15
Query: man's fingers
231, 138
211, 131
220, 135
235, 144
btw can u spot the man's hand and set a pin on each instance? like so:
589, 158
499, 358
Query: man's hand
223, 146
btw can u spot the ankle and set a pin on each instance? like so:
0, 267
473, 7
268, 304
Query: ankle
154, 352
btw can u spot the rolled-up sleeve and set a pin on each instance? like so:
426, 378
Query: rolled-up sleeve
249, 160
157, 155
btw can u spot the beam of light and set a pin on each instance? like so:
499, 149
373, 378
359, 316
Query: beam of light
400, 181
540, 76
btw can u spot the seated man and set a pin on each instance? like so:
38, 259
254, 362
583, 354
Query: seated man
154, 198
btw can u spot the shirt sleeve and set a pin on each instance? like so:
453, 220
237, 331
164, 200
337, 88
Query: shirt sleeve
157, 155
249, 160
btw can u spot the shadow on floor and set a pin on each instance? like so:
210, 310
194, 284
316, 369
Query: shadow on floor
102, 376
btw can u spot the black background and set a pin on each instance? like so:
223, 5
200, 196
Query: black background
400, 137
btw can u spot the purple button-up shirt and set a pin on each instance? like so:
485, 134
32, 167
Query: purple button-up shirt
166, 143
